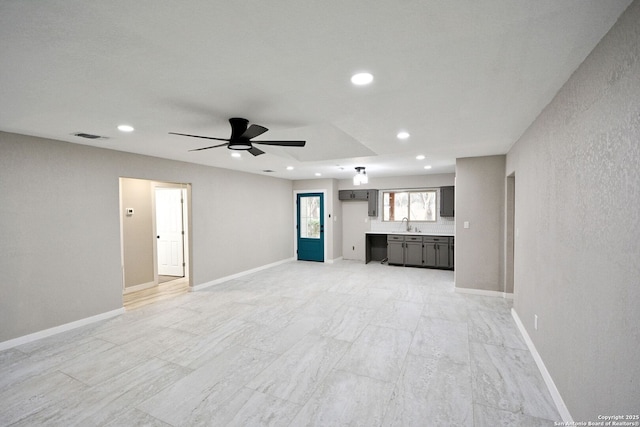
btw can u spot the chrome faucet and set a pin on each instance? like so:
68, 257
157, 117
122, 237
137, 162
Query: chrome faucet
408, 226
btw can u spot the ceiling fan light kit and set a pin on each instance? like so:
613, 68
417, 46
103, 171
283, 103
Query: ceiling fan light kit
241, 136
361, 176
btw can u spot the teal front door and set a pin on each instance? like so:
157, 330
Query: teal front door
310, 228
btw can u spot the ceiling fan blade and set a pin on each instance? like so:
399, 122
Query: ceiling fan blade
282, 143
198, 136
255, 151
213, 146
253, 131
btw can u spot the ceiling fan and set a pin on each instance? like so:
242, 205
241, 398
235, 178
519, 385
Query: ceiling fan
241, 136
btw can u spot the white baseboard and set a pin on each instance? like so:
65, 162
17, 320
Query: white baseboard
235, 276
331, 261
553, 390
58, 329
484, 293
140, 287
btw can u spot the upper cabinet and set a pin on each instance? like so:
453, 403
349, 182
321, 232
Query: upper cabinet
370, 196
447, 201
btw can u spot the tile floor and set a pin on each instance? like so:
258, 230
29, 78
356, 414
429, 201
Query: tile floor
295, 345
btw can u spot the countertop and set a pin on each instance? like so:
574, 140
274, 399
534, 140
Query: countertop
406, 233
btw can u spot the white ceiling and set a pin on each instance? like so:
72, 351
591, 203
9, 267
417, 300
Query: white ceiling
465, 78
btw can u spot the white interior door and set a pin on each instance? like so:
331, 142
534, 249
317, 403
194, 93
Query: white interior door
170, 231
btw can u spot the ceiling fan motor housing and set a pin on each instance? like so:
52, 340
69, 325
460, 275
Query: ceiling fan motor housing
238, 128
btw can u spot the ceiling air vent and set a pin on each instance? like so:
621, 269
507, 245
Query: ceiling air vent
268, 171
88, 135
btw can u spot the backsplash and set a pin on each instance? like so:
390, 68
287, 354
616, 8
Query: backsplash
441, 226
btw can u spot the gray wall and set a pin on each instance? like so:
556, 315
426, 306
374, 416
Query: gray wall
577, 213
60, 250
137, 231
480, 200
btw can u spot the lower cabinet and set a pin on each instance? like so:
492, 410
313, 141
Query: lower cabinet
436, 252
420, 251
395, 250
413, 254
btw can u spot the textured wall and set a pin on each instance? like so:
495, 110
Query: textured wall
60, 252
480, 201
137, 232
577, 211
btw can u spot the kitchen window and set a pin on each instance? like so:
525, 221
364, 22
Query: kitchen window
415, 205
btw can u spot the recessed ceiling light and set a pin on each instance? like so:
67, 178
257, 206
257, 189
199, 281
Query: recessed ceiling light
428, 167
289, 168
318, 174
235, 155
125, 128
361, 79
403, 135
420, 157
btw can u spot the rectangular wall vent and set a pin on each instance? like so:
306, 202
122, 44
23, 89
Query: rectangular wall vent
88, 135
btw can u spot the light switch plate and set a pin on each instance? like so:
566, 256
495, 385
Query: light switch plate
466, 224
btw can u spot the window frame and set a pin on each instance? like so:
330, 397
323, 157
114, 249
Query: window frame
409, 192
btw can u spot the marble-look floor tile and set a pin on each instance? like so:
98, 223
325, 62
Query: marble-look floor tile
448, 307
485, 416
409, 292
441, 339
370, 298
248, 407
135, 417
398, 314
156, 344
276, 339
508, 379
325, 304
495, 328
377, 353
99, 404
346, 399
297, 373
481, 302
93, 370
199, 349
197, 395
35, 394
301, 343
203, 323
347, 322
431, 392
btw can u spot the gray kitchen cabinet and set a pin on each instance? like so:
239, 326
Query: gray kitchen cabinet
429, 254
370, 196
447, 201
436, 252
413, 251
353, 195
395, 249
451, 251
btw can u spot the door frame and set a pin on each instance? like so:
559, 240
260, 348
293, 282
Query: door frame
327, 223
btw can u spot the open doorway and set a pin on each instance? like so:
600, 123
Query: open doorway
155, 239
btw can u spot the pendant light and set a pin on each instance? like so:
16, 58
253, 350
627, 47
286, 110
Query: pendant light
361, 176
